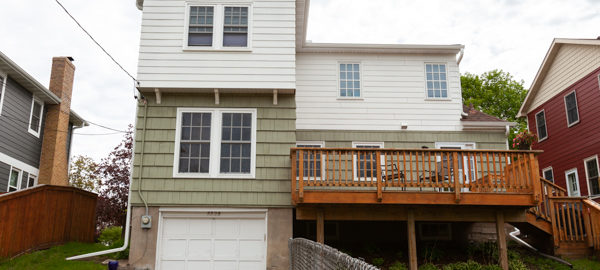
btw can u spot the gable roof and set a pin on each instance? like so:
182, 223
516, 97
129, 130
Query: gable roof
478, 116
545, 67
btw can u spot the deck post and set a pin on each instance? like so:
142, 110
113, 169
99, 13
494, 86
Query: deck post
294, 194
501, 238
379, 177
412, 241
457, 177
320, 226
535, 178
300, 156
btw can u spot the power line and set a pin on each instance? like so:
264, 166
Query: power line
94, 40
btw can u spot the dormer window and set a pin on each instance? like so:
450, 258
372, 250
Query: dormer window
235, 27
201, 26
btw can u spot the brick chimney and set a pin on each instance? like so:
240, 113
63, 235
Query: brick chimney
54, 159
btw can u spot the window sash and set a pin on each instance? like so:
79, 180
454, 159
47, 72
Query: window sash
549, 175
571, 108
194, 146
591, 168
14, 179
349, 80
436, 77
200, 26
311, 164
540, 119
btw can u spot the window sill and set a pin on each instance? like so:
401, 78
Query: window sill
212, 49
220, 176
438, 99
572, 124
350, 98
32, 132
541, 140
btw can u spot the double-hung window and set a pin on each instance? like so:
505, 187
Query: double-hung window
548, 174
311, 161
217, 143
540, 121
591, 170
436, 80
349, 83
571, 109
218, 26
14, 179
366, 162
35, 118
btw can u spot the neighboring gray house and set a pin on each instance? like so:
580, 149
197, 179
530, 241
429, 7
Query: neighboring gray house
36, 125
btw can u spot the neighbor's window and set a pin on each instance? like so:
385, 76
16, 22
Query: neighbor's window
235, 27
311, 165
571, 107
31, 180
540, 120
549, 174
437, 83
200, 31
591, 169
215, 143
14, 180
35, 119
350, 80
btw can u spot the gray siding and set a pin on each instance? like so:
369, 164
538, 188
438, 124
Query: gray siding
4, 173
15, 139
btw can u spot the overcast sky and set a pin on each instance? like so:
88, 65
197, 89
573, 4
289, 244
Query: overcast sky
512, 35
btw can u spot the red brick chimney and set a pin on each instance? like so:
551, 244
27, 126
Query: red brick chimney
54, 159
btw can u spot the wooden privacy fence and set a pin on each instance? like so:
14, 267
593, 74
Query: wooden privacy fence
44, 216
414, 170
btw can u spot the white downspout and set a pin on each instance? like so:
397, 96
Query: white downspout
128, 218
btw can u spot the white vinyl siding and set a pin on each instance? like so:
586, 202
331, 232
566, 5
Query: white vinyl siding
392, 92
572, 63
269, 64
215, 143
571, 109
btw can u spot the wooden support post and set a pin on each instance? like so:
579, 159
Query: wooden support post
379, 177
457, 177
412, 241
320, 226
503, 252
535, 178
588, 226
300, 156
294, 192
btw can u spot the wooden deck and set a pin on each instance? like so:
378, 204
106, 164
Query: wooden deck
414, 176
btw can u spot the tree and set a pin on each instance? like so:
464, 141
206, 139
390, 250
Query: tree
114, 171
496, 93
82, 174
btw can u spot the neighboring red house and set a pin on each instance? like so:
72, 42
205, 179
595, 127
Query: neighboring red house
563, 108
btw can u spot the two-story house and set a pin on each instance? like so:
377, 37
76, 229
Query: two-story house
36, 125
232, 86
562, 109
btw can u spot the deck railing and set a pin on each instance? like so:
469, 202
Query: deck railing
414, 170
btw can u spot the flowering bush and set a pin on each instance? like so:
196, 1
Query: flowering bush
524, 139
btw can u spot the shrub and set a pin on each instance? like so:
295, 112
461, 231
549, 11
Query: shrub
469, 265
431, 253
428, 266
516, 265
398, 266
378, 261
110, 236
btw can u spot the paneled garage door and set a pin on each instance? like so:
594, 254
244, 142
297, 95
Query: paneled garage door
212, 240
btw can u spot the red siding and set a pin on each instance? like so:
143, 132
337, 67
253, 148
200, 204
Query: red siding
567, 147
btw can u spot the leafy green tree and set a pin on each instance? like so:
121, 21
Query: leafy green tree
82, 174
496, 93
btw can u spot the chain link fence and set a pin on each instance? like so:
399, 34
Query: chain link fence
309, 255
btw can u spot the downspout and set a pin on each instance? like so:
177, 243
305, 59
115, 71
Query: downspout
513, 236
128, 218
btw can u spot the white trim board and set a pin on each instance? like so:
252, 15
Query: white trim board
3, 87
19, 164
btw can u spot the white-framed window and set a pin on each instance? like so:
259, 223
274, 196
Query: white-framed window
3, 81
435, 231
14, 179
540, 122
218, 26
591, 173
548, 174
349, 80
571, 109
35, 117
436, 77
365, 164
215, 143
446, 166
31, 180
572, 183
312, 163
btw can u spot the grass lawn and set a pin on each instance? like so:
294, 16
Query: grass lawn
54, 258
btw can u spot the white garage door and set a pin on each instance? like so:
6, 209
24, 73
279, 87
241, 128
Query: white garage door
212, 240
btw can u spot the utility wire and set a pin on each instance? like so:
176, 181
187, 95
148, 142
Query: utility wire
94, 40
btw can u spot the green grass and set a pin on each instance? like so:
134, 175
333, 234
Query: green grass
54, 258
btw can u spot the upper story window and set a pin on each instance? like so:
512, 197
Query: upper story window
437, 83
571, 108
235, 27
218, 27
540, 121
35, 118
217, 143
200, 32
350, 80
14, 180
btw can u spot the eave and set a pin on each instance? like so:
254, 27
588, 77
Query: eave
16, 73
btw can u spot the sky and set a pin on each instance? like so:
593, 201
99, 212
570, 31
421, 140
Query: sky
512, 35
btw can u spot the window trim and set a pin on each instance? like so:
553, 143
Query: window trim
567, 172
34, 99
19, 179
545, 126
360, 72
549, 168
576, 109
35, 180
587, 176
321, 145
215, 142
355, 158
3, 87
218, 24
427, 98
